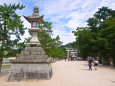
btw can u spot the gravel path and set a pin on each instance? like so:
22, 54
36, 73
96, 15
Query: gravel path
73, 73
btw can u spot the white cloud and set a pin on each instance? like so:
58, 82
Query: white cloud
71, 14
65, 15
66, 37
26, 25
8, 1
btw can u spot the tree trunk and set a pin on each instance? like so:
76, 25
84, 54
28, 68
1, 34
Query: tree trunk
106, 61
100, 60
1, 59
113, 60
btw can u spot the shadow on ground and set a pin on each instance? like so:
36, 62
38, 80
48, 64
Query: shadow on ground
85, 69
4, 72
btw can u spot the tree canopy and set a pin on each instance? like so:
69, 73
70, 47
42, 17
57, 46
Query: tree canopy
51, 45
97, 39
10, 26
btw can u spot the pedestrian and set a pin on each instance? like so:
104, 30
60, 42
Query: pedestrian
71, 58
96, 64
65, 58
90, 63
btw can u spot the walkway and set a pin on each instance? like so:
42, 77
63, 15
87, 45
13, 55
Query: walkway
74, 73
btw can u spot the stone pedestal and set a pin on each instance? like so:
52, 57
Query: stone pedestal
32, 63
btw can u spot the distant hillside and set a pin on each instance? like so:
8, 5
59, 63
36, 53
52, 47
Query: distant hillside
67, 46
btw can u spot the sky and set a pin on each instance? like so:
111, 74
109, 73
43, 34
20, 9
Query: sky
65, 15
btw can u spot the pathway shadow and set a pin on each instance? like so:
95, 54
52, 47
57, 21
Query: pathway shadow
85, 69
106, 67
85, 65
4, 72
113, 82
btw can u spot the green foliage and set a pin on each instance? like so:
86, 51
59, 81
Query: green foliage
74, 44
84, 41
108, 34
98, 39
10, 25
67, 46
50, 45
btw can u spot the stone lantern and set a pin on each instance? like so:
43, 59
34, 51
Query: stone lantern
35, 20
32, 62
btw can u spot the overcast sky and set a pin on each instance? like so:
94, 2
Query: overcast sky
65, 15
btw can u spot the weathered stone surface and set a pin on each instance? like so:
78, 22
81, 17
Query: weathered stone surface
32, 54
33, 50
25, 71
32, 63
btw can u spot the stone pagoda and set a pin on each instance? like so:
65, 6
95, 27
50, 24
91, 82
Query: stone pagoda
32, 62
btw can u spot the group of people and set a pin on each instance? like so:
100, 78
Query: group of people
70, 58
91, 61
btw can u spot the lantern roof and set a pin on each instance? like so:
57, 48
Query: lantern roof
35, 16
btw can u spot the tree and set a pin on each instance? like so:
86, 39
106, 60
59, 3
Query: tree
10, 25
100, 17
98, 37
49, 44
84, 41
107, 36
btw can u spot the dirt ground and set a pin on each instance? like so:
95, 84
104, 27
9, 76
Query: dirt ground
73, 73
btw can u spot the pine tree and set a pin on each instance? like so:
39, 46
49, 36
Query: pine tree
10, 25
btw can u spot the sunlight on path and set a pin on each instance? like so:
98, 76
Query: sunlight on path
74, 73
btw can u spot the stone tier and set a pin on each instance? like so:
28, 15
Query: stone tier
32, 54
31, 63
32, 51
31, 71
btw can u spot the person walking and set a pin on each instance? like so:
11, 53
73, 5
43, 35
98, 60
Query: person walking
96, 64
65, 58
90, 60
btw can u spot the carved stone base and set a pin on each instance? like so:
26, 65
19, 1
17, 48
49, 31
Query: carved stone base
31, 63
27, 71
